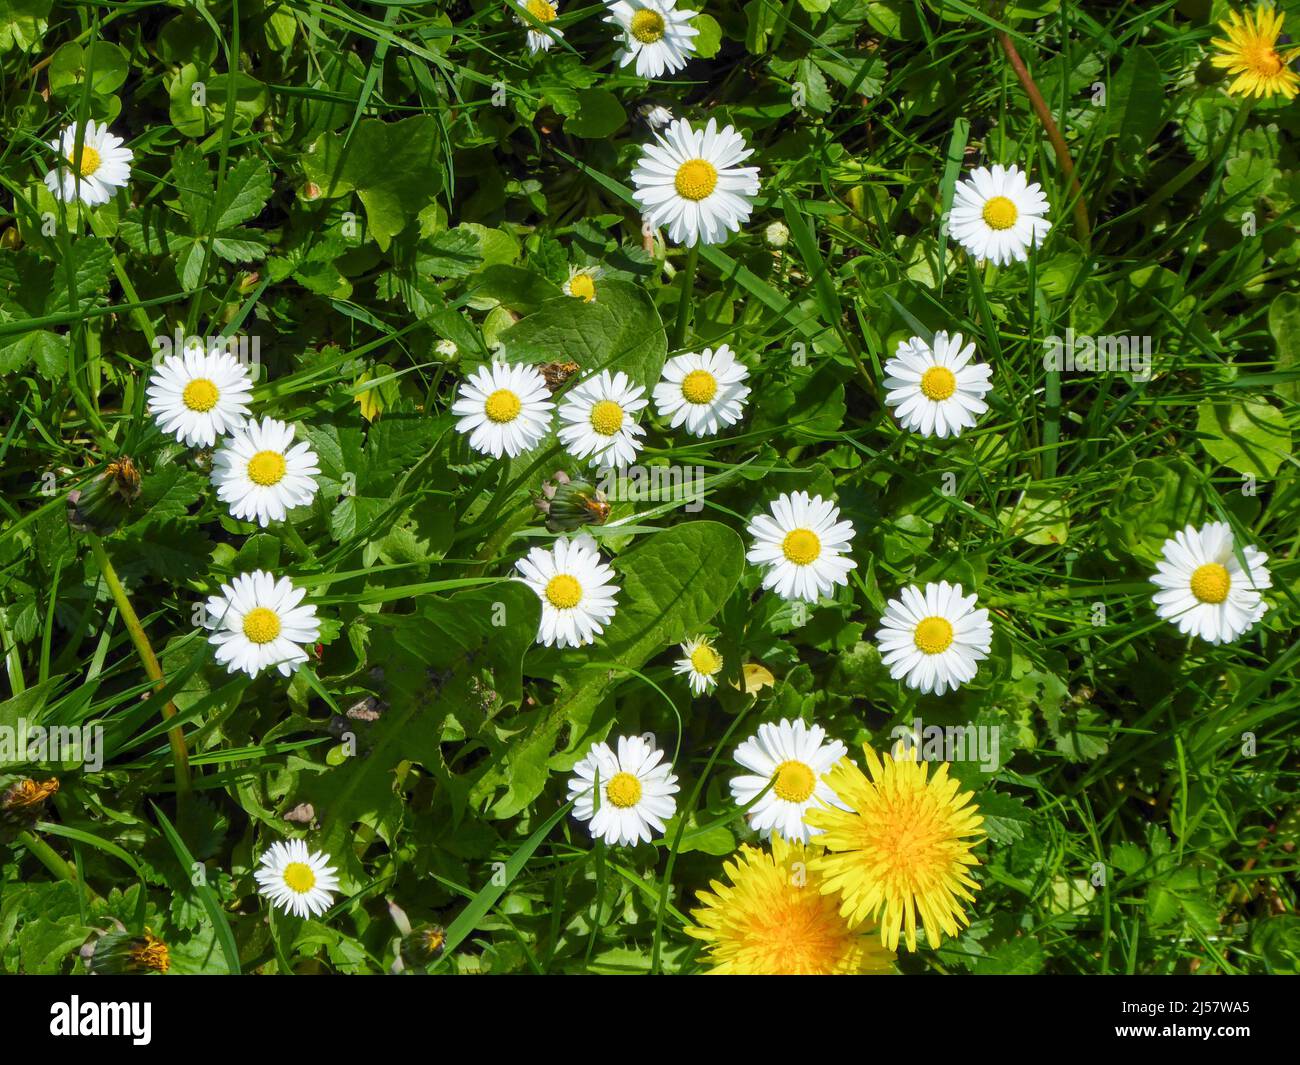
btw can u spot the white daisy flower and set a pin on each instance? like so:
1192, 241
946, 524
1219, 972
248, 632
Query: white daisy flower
598, 419
103, 167
938, 390
582, 282
704, 391
689, 182
932, 639
261, 473
1204, 589
701, 664
258, 622
540, 38
505, 408
636, 791
197, 396
802, 545
656, 35
793, 759
576, 588
998, 215
296, 881
656, 115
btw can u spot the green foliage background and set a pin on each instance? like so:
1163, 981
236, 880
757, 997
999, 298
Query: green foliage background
362, 181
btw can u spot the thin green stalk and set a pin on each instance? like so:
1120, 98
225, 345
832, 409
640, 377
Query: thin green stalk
683, 815
180, 756
684, 300
50, 858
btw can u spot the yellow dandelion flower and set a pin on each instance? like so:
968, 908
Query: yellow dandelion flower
773, 919
1250, 52
902, 850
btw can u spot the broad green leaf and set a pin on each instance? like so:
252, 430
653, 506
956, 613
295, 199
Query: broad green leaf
621, 330
1249, 436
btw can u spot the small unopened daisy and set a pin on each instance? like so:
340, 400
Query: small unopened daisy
771, 918
787, 765
937, 389
261, 473
625, 795
1204, 589
1251, 55
258, 622
576, 588
657, 36
704, 391
901, 847
582, 282
802, 546
103, 166
933, 639
598, 419
997, 215
690, 181
701, 663
198, 395
656, 115
505, 409
295, 880
538, 15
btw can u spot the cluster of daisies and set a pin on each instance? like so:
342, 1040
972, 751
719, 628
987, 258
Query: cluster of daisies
200, 397
507, 408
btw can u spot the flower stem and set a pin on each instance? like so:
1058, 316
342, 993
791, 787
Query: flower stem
684, 300
50, 858
1082, 229
180, 756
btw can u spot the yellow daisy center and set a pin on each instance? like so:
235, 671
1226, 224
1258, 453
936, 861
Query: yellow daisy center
699, 386
801, 546
266, 468
541, 10
299, 877
200, 395
705, 660
583, 286
563, 592
1210, 583
938, 383
623, 790
1000, 213
648, 26
794, 782
261, 625
696, 179
90, 160
502, 406
607, 417
933, 635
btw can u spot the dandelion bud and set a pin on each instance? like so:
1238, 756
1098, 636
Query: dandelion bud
108, 499
119, 953
423, 945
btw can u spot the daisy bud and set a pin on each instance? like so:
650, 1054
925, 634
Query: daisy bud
777, 235
107, 501
119, 953
11, 239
